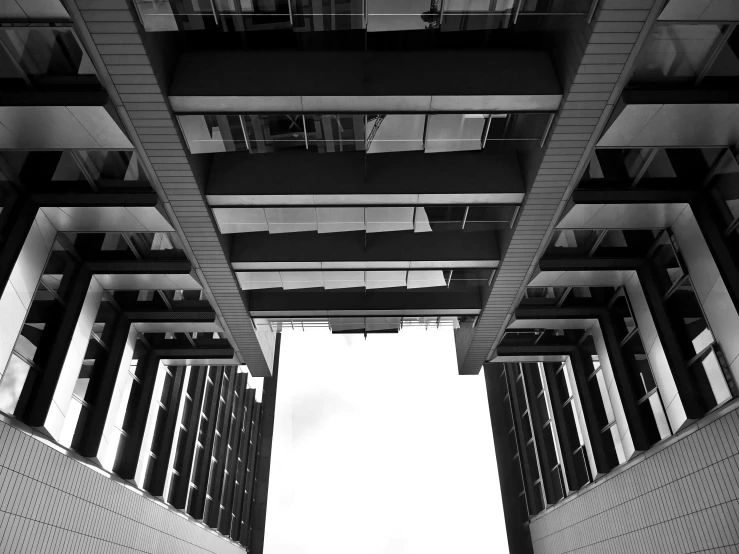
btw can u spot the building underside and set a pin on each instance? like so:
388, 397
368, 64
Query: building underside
181, 181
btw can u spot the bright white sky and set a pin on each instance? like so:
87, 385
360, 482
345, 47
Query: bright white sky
380, 447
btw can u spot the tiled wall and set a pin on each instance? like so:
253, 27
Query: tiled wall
681, 496
52, 503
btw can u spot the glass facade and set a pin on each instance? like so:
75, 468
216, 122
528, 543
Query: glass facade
379, 219
40, 57
371, 16
687, 53
371, 133
455, 279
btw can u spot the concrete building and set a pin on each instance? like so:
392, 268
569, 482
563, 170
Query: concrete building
182, 179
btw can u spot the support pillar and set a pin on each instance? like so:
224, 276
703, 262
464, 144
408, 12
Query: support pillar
559, 420
106, 451
619, 395
102, 386
579, 366
163, 448
713, 270
139, 404
197, 507
195, 388
661, 344
151, 409
24, 271
41, 405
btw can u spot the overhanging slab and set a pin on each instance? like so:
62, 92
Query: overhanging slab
336, 82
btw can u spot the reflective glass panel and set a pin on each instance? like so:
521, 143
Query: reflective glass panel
455, 132
42, 55
335, 133
676, 52
221, 133
394, 132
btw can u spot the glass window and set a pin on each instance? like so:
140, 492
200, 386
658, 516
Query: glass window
676, 52
395, 133
269, 133
335, 133
426, 279
301, 279
726, 63
328, 15
111, 165
340, 220
207, 134
392, 15
343, 279
42, 55
384, 219
385, 279
291, 220
455, 132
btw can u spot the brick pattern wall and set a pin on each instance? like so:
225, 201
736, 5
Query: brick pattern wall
50, 502
111, 33
593, 63
679, 497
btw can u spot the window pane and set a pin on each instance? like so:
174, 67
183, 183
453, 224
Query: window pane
391, 15
675, 52
269, 133
455, 132
335, 133
328, 15
46, 53
214, 133
395, 132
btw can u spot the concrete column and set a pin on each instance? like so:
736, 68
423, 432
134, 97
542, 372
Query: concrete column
151, 419
710, 288
582, 423
18, 293
176, 438
661, 371
612, 400
109, 441
61, 402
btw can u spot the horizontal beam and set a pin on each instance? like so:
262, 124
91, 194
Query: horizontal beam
278, 303
181, 347
335, 82
95, 199
69, 96
535, 350
680, 95
634, 196
134, 267
351, 247
590, 264
194, 353
173, 316
307, 178
559, 312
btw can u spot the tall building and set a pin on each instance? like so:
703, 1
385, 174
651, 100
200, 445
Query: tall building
182, 179
612, 361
